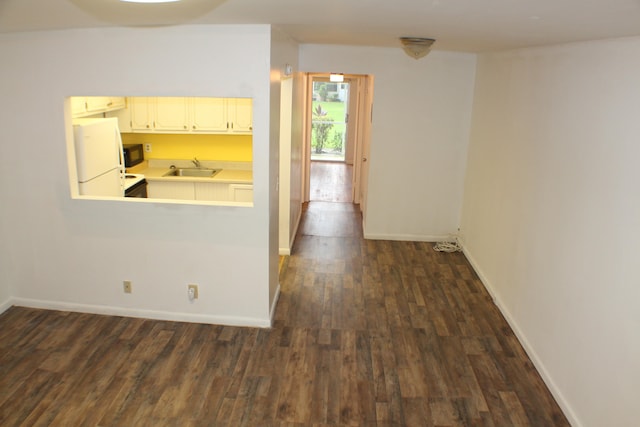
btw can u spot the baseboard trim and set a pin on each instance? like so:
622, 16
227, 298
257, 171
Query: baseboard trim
145, 314
528, 348
294, 233
292, 239
274, 304
6, 305
407, 237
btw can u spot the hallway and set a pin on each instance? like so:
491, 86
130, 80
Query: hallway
366, 333
330, 182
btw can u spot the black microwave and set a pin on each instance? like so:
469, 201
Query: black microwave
133, 154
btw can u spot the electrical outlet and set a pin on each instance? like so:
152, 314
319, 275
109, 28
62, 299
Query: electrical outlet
127, 286
147, 147
192, 292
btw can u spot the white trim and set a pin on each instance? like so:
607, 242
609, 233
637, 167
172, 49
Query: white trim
287, 251
407, 237
145, 314
528, 348
276, 297
6, 305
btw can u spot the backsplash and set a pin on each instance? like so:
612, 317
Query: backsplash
232, 148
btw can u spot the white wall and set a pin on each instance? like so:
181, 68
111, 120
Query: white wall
63, 253
283, 51
291, 145
297, 145
290, 141
551, 216
420, 132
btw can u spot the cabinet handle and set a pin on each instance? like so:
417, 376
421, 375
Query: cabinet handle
194, 126
227, 125
148, 126
185, 127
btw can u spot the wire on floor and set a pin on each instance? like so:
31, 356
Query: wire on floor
450, 246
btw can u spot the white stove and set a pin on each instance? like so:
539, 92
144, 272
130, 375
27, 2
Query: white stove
131, 179
135, 185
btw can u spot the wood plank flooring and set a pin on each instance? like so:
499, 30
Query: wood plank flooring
330, 182
366, 333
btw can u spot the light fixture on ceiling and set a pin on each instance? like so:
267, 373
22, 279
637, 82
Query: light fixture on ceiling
146, 13
149, 1
336, 77
416, 47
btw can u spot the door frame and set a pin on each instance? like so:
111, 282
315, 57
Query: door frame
358, 128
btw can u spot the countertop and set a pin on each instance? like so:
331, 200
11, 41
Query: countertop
226, 176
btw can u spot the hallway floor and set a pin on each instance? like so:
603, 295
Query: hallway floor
330, 182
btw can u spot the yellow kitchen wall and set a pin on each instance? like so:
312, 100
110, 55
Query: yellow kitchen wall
231, 148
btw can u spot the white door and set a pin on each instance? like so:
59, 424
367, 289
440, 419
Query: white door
366, 138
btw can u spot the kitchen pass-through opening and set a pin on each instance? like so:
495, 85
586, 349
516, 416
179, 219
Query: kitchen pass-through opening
188, 150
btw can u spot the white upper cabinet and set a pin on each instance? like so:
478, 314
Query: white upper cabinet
191, 115
240, 115
78, 106
90, 105
209, 115
171, 114
140, 114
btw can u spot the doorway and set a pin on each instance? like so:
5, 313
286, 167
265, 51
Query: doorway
337, 132
329, 120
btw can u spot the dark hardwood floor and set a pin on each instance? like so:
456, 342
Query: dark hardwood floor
366, 333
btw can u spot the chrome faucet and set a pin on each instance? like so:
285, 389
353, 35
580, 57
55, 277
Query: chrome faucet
196, 162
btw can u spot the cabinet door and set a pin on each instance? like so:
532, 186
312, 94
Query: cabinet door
240, 115
96, 104
171, 114
208, 115
116, 103
241, 192
140, 113
78, 106
90, 105
171, 190
212, 192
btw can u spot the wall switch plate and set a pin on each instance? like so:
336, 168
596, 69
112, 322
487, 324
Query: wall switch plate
192, 292
147, 147
126, 285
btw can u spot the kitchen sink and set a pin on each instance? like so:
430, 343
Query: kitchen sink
193, 172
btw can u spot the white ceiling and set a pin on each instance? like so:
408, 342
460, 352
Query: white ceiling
460, 25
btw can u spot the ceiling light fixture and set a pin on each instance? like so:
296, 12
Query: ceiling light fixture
149, 1
336, 77
146, 13
416, 47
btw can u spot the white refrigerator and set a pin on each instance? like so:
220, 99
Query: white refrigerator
99, 157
